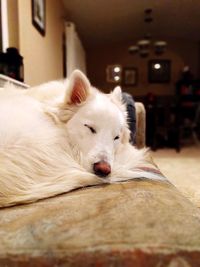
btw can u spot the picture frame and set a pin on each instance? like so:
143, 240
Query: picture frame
130, 76
39, 15
159, 71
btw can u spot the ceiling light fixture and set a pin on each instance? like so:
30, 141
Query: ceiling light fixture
144, 45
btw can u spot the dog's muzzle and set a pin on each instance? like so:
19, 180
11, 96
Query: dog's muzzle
102, 168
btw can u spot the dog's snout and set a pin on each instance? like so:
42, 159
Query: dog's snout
102, 168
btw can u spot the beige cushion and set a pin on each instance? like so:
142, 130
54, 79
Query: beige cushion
138, 223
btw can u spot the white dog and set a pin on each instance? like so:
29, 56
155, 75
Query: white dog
61, 136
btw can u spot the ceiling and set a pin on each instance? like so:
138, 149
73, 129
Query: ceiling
102, 22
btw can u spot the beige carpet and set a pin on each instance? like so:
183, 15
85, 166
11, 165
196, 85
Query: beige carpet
182, 169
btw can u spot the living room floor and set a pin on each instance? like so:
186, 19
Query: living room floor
181, 169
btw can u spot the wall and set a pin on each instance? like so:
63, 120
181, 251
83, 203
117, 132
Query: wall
75, 52
43, 56
179, 52
199, 60
13, 23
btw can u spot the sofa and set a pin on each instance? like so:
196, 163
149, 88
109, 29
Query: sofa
140, 223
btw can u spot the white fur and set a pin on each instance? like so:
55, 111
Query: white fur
45, 147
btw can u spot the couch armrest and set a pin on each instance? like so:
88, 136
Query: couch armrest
140, 125
139, 223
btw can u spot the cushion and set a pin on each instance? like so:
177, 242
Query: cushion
136, 223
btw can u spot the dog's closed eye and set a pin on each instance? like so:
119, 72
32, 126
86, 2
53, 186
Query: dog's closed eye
91, 128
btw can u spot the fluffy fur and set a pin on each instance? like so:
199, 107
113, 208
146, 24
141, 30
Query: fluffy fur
46, 143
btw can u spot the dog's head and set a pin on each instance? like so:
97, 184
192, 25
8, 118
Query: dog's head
96, 125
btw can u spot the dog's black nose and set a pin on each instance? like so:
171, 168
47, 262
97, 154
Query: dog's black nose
102, 168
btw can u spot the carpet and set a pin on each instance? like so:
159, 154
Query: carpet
181, 169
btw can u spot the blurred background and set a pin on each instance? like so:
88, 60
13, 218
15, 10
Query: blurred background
150, 48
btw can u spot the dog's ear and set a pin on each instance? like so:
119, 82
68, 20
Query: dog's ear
79, 88
117, 93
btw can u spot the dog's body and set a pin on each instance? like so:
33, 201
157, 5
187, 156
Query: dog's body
61, 136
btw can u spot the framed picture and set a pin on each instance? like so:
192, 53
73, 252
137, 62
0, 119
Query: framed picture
38, 15
130, 76
159, 71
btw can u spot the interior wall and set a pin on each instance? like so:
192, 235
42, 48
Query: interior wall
43, 56
199, 60
75, 52
179, 52
13, 23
